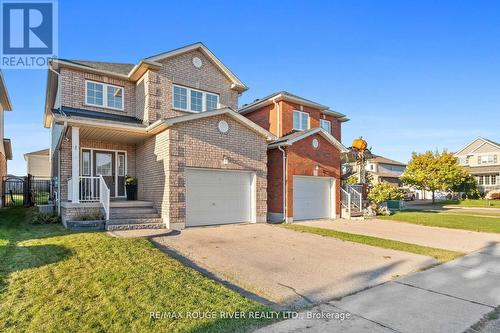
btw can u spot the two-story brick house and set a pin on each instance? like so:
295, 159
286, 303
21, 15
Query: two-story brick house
304, 165
481, 158
5, 145
169, 122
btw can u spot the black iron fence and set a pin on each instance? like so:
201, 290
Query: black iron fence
25, 191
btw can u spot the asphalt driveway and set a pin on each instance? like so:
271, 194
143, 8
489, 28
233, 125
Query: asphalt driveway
288, 268
443, 238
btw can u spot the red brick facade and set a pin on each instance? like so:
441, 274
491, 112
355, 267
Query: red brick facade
302, 158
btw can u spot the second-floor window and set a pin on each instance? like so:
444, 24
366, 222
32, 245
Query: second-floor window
326, 125
103, 95
300, 120
487, 159
192, 100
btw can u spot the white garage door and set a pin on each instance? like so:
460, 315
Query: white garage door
311, 197
218, 197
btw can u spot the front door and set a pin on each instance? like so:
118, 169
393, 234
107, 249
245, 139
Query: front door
104, 165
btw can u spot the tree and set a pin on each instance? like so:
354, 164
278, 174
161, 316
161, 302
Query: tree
434, 172
383, 192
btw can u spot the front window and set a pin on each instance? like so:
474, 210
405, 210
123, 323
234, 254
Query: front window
104, 95
196, 101
300, 120
103, 164
326, 125
212, 102
180, 97
187, 99
487, 159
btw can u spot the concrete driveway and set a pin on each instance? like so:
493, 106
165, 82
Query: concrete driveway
287, 268
443, 238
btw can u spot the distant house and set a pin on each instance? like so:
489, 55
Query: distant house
5, 145
38, 163
481, 158
381, 169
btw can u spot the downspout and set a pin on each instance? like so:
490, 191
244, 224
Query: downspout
285, 208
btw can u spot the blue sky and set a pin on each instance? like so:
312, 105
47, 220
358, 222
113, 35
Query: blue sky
411, 75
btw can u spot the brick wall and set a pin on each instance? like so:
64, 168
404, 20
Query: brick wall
73, 91
266, 118
275, 181
198, 143
302, 160
209, 78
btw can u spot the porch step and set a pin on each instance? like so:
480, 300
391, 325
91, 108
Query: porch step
131, 224
136, 210
133, 215
129, 203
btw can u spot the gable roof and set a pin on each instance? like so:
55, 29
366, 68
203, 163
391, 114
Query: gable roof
384, 160
226, 111
39, 152
476, 139
113, 67
291, 138
287, 96
237, 83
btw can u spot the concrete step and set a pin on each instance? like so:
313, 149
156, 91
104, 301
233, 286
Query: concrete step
144, 210
133, 215
134, 221
130, 203
135, 226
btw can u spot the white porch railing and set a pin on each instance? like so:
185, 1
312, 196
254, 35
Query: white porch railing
104, 197
346, 200
356, 197
92, 189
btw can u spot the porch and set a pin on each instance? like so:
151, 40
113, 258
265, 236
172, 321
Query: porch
94, 164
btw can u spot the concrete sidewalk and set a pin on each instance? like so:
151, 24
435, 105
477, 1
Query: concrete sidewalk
447, 298
444, 238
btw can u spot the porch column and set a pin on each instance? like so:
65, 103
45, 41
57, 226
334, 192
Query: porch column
75, 163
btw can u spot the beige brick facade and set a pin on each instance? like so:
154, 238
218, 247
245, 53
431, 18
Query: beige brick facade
3, 173
164, 158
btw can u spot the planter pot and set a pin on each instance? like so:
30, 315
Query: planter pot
131, 192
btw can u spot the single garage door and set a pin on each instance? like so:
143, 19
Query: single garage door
218, 197
311, 197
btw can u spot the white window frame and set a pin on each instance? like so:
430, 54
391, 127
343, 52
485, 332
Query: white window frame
105, 95
321, 121
188, 96
301, 113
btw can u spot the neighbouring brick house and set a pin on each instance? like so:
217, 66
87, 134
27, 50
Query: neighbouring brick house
5, 145
304, 164
167, 121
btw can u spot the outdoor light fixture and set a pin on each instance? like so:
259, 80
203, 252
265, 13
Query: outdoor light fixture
225, 160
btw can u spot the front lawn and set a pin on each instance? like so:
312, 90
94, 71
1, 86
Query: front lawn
439, 254
472, 203
467, 220
52, 280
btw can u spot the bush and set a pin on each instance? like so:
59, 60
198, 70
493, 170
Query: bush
383, 192
46, 218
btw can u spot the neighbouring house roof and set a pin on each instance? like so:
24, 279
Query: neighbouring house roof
482, 169
285, 95
7, 148
4, 95
476, 139
384, 160
67, 112
126, 71
291, 138
43, 152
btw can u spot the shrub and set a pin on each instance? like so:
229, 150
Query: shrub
383, 192
46, 218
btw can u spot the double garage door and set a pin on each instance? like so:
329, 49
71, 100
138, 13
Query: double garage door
218, 197
312, 197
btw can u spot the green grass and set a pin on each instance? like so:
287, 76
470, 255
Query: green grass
52, 280
467, 221
439, 254
472, 203
41, 198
